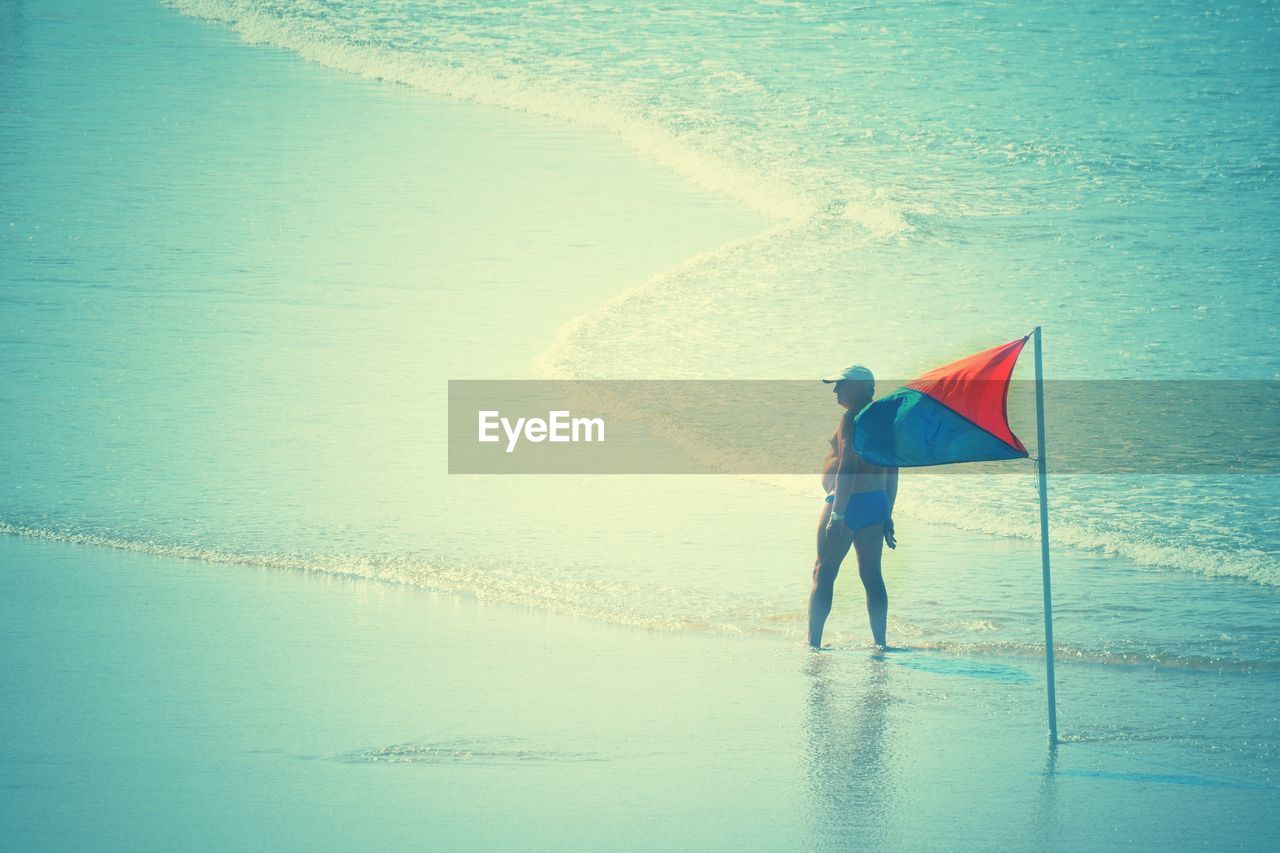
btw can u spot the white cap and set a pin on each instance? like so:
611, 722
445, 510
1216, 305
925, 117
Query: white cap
853, 371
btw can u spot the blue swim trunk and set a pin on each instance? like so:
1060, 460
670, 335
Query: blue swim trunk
866, 509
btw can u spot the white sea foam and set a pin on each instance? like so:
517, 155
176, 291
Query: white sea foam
616, 602
1006, 506
576, 352
1070, 527
506, 85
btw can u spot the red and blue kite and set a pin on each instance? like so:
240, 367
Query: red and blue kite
956, 413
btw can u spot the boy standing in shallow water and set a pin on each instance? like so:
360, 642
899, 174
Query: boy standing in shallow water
858, 512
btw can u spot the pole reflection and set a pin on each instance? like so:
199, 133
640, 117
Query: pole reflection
1045, 830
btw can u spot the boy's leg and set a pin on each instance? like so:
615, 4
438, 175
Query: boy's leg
868, 544
832, 549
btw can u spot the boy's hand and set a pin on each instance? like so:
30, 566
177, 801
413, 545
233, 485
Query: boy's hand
835, 524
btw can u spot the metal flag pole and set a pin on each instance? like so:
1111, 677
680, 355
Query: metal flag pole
1044, 542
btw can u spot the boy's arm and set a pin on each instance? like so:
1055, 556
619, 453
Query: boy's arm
844, 469
891, 487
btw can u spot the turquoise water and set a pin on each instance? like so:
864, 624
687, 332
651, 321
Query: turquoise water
236, 283
952, 175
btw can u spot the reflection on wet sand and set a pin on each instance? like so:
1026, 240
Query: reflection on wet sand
851, 786
1045, 830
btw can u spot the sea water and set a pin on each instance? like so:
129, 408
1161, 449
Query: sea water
226, 341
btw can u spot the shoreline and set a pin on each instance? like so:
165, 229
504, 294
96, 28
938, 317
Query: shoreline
913, 575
